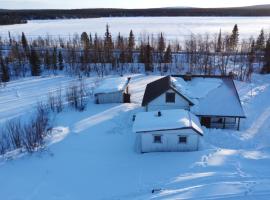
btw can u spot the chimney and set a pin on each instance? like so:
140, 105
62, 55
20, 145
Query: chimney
159, 114
188, 76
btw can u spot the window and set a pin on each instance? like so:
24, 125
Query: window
182, 139
157, 139
170, 97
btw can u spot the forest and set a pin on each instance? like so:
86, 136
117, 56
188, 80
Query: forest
21, 16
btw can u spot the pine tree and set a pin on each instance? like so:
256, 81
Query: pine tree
260, 42
54, 59
148, 59
60, 60
251, 59
4, 70
24, 42
131, 45
234, 39
108, 45
161, 47
266, 67
47, 59
168, 55
219, 42
34, 63
85, 40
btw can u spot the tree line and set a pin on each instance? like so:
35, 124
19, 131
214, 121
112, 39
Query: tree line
152, 12
87, 54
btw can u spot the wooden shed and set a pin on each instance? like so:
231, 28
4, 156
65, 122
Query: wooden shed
113, 90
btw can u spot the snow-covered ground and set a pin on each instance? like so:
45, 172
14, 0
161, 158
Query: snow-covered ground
92, 154
178, 28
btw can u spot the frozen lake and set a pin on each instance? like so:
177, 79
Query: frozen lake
173, 27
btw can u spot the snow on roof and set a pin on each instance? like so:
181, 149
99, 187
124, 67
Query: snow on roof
169, 119
112, 85
211, 96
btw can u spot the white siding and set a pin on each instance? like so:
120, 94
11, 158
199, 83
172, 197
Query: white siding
170, 141
114, 97
160, 103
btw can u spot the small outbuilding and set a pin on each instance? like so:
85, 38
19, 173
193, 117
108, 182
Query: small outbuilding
113, 90
168, 131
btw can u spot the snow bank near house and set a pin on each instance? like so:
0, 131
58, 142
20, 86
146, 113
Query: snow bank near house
111, 85
169, 119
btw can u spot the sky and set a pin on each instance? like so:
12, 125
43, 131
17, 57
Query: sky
66, 4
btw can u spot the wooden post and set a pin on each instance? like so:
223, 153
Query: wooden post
224, 123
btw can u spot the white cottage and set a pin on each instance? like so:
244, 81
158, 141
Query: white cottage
113, 90
214, 99
168, 131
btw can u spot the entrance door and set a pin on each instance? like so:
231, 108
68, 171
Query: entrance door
206, 121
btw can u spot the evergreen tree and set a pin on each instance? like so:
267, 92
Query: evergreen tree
148, 59
260, 43
24, 42
60, 60
131, 45
108, 45
234, 39
34, 63
85, 40
47, 59
54, 59
219, 42
90, 41
161, 47
266, 67
4, 70
168, 55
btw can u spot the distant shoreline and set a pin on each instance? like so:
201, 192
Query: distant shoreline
22, 16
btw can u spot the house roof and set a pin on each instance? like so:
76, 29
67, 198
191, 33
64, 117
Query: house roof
169, 120
212, 95
112, 85
158, 87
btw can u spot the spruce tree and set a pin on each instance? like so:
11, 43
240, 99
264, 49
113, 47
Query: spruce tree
47, 59
60, 60
85, 40
148, 59
4, 70
54, 59
131, 45
34, 63
219, 42
24, 42
266, 67
168, 55
234, 39
108, 45
260, 43
161, 47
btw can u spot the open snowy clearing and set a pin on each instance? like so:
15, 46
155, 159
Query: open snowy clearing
93, 154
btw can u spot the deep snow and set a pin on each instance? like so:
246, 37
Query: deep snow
92, 154
179, 27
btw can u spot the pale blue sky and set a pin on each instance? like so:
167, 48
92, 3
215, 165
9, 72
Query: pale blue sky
21, 4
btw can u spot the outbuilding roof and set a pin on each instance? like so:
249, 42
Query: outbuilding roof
168, 120
112, 85
158, 87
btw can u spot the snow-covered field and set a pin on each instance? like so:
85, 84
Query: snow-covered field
177, 28
92, 154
